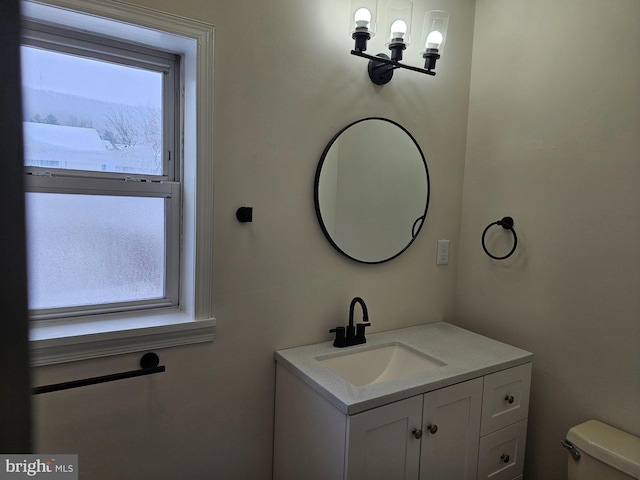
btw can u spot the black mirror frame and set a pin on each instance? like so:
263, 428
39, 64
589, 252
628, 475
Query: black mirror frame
415, 232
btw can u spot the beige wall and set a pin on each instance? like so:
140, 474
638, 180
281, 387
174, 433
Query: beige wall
554, 141
284, 85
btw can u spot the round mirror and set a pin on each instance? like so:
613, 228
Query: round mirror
372, 190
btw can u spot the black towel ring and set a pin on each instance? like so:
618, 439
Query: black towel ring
416, 224
507, 224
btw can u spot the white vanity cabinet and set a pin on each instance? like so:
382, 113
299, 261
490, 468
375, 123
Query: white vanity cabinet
463, 417
466, 431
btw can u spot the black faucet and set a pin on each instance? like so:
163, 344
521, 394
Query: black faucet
354, 335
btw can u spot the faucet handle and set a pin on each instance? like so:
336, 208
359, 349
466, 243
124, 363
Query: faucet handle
360, 331
341, 340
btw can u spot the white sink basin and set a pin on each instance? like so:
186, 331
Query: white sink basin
379, 363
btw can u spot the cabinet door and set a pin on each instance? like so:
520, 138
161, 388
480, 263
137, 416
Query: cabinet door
381, 445
450, 450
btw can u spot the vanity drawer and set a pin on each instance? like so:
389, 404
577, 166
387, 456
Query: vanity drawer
505, 398
501, 454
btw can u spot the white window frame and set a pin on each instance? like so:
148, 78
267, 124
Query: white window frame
114, 183
63, 340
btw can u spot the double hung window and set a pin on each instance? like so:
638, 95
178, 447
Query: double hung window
117, 110
102, 122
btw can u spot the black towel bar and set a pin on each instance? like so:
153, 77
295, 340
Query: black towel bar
149, 363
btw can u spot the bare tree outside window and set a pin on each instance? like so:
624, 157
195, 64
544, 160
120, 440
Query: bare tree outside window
150, 125
120, 131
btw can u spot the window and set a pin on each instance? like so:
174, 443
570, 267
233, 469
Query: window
115, 150
103, 176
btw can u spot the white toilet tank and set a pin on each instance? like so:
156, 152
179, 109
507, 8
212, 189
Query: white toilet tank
606, 453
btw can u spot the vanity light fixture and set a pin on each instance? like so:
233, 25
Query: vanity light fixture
399, 16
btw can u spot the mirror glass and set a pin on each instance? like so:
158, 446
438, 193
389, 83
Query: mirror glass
372, 190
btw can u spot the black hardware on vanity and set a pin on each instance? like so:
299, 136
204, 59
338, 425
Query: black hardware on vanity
149, 363
352, 335
507, 224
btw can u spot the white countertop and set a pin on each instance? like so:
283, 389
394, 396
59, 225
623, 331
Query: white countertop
467, 355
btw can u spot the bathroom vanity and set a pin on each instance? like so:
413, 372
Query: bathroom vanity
427, 402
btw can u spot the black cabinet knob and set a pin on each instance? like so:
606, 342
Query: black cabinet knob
509, 399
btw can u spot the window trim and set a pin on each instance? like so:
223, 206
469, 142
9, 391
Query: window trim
59, 341
73, 42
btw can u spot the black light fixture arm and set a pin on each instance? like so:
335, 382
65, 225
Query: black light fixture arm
376, 62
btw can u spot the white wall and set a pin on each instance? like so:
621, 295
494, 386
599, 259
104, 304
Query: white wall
554, 141
285, 83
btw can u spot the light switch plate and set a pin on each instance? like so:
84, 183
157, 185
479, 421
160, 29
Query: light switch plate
443, 252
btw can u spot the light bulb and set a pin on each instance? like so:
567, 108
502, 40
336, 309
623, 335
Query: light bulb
362, 17
434, 39
398, 30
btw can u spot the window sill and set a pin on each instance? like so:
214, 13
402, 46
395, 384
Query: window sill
65, 341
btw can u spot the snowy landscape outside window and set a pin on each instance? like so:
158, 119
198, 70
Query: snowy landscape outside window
101, 125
